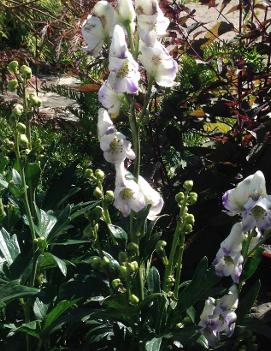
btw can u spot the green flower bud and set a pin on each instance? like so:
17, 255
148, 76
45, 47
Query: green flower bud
89, 173
122, 257
12, 85
123, 272
34, 100
188, 185
170, 280
98, 193
98, 212
188, 228
179, 197
193, 198
23, 140
21, 128
17, 110
116, 283
189, 218
133, 266
134, 299
160, 245
41, 243
99, 174
95, 262
133, 248
13, 66
109, 197
26, 72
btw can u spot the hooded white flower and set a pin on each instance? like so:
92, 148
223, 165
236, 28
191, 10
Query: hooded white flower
152, 197
229, 260
159, 65
110, 99
105, 124
98, 27
116, 147
218, 316
126, 13
253, 187
150, 19
124, 74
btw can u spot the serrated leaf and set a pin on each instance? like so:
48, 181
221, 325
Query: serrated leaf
9, 246
153, 344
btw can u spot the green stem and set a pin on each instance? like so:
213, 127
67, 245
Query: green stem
179, 265
141, 273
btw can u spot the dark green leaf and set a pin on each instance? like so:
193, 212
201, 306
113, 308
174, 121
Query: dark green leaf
3, 183
117, 232
46, 223
32, 175
248, 300
9, 246
48, 260
12, 290
153, 281
252, 264
153, 344
71, 242
40, 309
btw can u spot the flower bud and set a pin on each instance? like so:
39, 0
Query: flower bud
133, 248
134, 299
122, 257
98, 193
95, 262
23, 140
12, 85
179, 197
123, 272
160, 245
89, 173
34, 100
13, 66
192, 198
188, 228
189, 218
26, 72
133, 266
17, 110
41, 243
99, 174
21, 127
109, 197
170, 280
188, 185
116, 283
98, 212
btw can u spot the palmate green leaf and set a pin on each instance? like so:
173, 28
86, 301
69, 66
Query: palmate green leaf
53, 319
11, 290
248, 300
9, 246
153, 344
46, 223
48, 260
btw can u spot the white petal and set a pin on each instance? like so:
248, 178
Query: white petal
105, 11
126, 11
104, 122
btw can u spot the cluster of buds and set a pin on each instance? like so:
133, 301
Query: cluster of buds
218, 316
250, 201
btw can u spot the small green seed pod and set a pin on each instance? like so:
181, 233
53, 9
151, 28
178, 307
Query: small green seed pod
134, 299
109, 197
99, 174
179, 197
192, 198
26, 72
13, 66
116, 283
188, 185
97, 193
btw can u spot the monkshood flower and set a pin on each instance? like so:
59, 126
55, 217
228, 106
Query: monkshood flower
253, 187
124, 74
150, 19
229, 260
124, 180
126, 13
250, 200
116, 148
218, 316
159, 65
110, 100
98, 27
